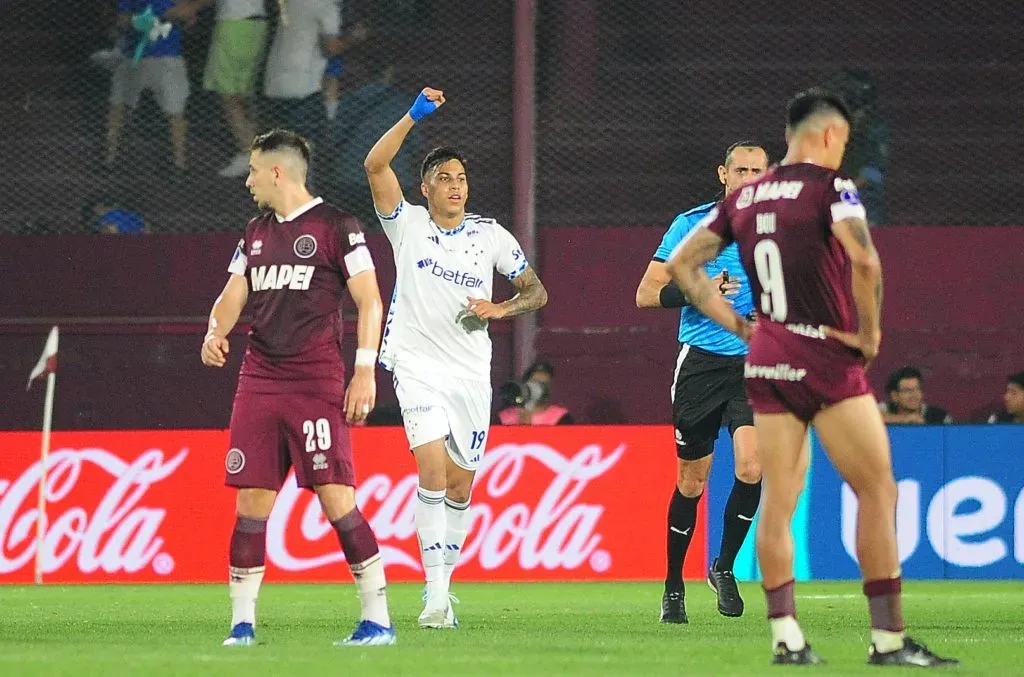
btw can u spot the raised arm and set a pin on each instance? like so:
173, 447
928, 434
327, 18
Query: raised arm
387, 192
855, 237
223, 317
362, 391
686, 267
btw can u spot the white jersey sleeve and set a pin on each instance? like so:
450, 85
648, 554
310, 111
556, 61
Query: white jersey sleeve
396, 223
510, 260
239, 262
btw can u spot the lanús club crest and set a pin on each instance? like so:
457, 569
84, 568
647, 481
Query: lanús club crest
305, 246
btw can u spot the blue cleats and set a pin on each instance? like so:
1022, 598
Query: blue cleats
242, 634
368, 633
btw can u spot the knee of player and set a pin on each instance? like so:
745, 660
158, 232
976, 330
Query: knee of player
748, 470
689, 486
255, 503
879, 489
458, 493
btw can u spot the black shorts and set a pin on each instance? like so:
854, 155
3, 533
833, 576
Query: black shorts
707, 393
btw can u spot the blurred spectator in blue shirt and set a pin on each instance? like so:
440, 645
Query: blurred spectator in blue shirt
103, 214
161, 70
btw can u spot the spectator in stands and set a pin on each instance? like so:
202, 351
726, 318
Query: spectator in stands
867, 153
905, 404
308, 33
1013, 399
153, 61
235, 57
536, 407
104, 214
364, 114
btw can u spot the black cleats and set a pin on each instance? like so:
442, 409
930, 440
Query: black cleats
911, 653
673, 607
785, 656
724, 583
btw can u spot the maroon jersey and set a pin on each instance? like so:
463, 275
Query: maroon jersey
799, 271
297, 269
800, 277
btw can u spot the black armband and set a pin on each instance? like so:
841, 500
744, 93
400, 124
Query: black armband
672, 296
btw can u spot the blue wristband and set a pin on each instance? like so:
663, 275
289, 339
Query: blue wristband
422, 107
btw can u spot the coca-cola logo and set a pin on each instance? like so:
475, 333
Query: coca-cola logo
118, 534
558, 531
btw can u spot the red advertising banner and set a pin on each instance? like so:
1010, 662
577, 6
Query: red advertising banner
572, 503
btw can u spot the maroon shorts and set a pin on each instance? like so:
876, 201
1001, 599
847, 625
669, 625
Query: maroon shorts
789, 373
271, 433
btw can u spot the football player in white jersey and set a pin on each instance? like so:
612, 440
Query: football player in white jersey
435, 339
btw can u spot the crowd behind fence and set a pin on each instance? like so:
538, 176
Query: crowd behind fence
635, 102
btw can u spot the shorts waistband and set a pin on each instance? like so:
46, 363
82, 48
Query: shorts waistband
707, 353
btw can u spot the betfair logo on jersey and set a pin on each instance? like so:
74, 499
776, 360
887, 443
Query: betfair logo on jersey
265, 278
771, 190
454, 276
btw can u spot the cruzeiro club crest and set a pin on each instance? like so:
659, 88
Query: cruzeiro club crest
305, 246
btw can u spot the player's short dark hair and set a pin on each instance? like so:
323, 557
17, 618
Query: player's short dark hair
745, 143
1017, 379
439, 156
893, 384
282, 139
814, 101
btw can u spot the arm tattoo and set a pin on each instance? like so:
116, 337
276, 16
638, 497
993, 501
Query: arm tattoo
532, 294
859, 229
860, 232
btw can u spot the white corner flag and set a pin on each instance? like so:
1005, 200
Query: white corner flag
47, 365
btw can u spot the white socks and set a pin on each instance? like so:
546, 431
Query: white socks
370, 582
457, 515
244, 588
331, 108
787, 631
430, 529
886, 641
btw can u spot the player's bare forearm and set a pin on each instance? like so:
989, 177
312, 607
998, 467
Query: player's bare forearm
855, 237
228, 307
366, 294
384, 151
686, 267
705, 296
532, 295
384, 185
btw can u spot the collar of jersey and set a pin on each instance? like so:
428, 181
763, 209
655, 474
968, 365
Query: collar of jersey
454, 231
299, 211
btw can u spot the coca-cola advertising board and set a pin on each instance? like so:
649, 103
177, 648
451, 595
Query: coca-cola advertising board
571, 503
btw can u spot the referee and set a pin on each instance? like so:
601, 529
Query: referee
707, 393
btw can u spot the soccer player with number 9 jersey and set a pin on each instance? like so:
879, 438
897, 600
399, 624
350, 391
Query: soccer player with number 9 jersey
817, 287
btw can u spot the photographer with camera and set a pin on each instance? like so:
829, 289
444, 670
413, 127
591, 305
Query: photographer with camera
529, 402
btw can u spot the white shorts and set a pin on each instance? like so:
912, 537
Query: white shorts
453, 409
164, 76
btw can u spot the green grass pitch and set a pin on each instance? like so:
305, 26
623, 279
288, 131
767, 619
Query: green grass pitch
507, 629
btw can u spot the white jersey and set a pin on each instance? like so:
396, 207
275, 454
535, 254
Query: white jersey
428, 329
